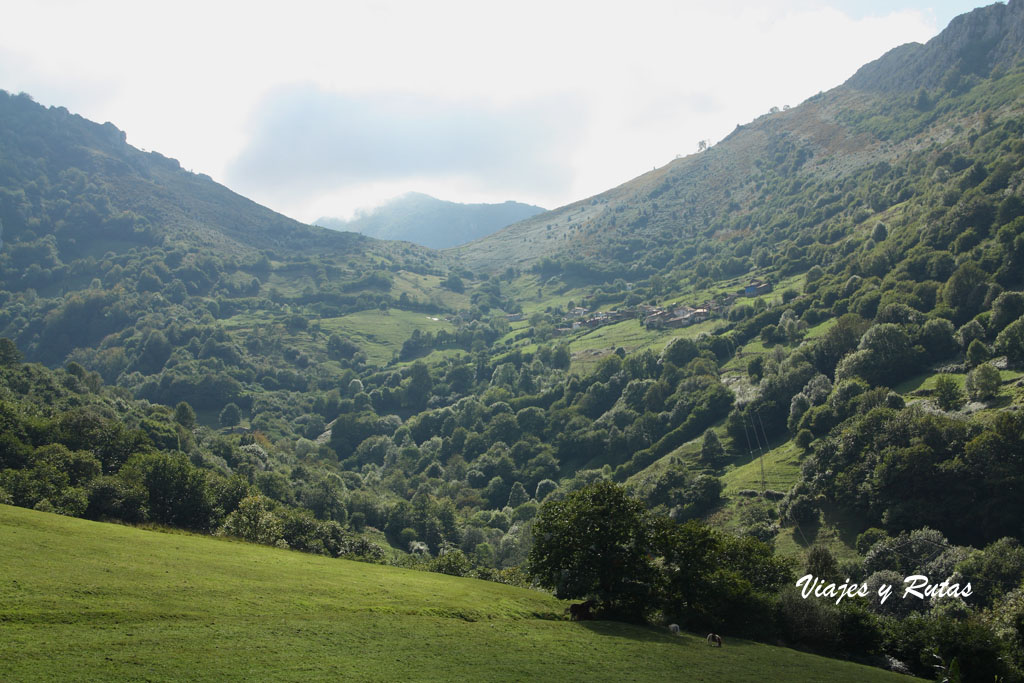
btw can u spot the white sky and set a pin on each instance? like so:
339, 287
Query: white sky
318, 108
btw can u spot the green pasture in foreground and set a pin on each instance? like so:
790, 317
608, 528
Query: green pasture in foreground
88, 601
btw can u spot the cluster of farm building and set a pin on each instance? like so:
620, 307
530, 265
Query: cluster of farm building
668, 316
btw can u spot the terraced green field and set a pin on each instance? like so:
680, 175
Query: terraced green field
87, 601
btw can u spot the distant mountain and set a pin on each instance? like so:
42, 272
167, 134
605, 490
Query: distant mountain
435, 223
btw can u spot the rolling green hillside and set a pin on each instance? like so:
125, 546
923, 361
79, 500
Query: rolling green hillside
87, 601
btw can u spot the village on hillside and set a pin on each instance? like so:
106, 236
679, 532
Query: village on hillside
681, 315
669, 316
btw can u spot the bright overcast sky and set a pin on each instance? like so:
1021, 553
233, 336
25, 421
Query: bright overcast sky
318, 108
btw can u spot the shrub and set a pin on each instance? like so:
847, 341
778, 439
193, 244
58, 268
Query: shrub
983, 383
230, 416
977, 353
948, 393
254, 521
1010, 342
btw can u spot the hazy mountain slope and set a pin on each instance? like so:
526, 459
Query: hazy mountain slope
680, 197
878, 116
434, 223
684, 195
973, 44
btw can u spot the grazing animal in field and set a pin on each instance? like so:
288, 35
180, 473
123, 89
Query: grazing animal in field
674, 628
581, 611
714, 640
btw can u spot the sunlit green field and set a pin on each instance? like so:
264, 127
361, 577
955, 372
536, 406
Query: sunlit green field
780, 468
590, 348
427, 288
381, 333
87, 601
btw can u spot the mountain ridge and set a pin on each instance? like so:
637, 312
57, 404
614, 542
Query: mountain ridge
145, 183
828, 132
973, 43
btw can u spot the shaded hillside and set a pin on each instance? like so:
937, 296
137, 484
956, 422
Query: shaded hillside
175, 287
148, 198
434, 223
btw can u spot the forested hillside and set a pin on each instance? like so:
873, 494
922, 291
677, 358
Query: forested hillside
809, 336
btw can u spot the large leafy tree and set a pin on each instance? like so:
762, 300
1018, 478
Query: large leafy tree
965, 291
595, 543
983, 382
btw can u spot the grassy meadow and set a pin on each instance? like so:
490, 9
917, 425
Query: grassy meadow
82, 600
381, 334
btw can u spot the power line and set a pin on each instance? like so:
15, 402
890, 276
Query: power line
765, 434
